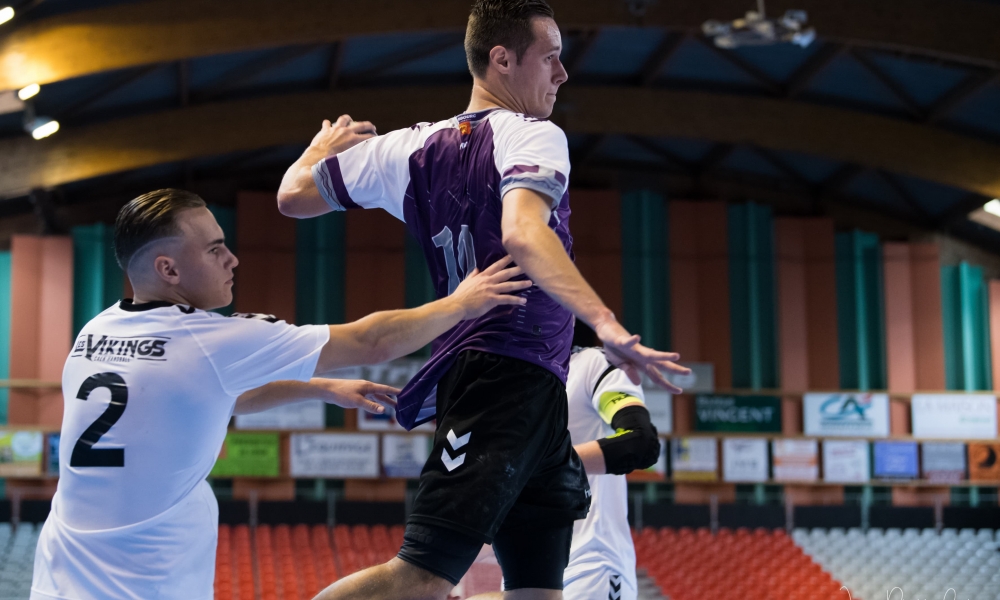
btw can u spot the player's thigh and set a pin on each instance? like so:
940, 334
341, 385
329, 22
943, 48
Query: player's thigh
599, 584
533, 557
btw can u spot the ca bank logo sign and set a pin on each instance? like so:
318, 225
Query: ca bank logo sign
847, 414
846, 407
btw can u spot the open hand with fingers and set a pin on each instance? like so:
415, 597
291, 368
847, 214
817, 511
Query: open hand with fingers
355, 393
625, 352
483, 291
333, 138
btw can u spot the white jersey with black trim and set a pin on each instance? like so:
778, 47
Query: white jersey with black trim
602, 543
149, 391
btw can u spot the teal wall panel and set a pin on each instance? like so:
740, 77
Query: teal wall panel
419, 287
860, 311
320, 275
965, 305
320, 269
645, 262
98, 281
5, 298
752, 296
226, 217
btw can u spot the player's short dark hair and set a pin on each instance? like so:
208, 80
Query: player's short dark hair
149, 217
504, 23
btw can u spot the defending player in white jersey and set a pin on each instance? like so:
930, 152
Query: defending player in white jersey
150, 386
612, 433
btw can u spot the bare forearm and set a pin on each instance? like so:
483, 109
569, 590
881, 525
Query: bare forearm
278, 393
592, 458
387, 335
297, 185
538, 250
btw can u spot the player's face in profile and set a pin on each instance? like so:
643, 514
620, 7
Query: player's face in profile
538, 77
204, 262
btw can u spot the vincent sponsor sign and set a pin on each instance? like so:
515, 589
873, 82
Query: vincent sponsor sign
795, 460
846, 461
738, 413
694, 459
744, 459
955, 416
20, 453
249, 455
334, 455
850, 415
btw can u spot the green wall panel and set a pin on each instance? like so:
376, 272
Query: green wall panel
98, 281
419, 287
320, 272
645, 262
752, 294
965, 305
860, 311
226, 217
5, 274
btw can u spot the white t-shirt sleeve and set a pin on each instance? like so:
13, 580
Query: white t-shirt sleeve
531, 154
612, 383
248, 352
373, 174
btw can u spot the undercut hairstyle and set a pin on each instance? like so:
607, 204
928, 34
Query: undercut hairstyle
504, 23
150, 217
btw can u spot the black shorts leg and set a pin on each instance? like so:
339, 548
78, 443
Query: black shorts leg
533, 557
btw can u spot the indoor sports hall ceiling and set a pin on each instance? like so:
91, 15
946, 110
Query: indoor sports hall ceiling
893, 112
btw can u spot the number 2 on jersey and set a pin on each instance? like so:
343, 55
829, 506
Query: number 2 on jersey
466, 259
84, 453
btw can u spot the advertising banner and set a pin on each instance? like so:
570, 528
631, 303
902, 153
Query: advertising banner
334, 455
661, 409
795, 460
954, 416
249, 455
52, 464
846, 461
310, 414
848, 415
694, 459
404, 455
983, 462
744, 459
738, 413
20, 453
943, 462
701, 380
896, 460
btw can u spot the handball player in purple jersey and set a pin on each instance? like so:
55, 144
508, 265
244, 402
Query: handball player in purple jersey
471, 189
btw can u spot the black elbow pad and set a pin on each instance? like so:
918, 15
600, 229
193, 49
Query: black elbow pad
635, 444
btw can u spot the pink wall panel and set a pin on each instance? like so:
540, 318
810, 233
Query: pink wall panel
265, 277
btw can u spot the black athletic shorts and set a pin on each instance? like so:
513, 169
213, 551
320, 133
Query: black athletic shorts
503, 465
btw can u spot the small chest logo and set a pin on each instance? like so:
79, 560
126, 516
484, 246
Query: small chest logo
465, 128
106, 348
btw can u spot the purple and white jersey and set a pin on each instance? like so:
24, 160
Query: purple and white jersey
447, 181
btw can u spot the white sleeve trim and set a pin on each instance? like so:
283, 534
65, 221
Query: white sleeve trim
321, 177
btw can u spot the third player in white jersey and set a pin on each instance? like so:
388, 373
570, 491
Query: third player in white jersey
602, 557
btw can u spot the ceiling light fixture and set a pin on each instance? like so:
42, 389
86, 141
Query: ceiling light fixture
43, 127
29, 91
6, 14
755, 29
993, 207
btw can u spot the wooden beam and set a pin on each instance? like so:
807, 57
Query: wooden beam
871, 141
892, 85
127, 35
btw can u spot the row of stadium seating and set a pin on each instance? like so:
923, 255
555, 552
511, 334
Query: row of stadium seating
296, 562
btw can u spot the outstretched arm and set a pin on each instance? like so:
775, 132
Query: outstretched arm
390, 334
537, 249
372, 397
298, 196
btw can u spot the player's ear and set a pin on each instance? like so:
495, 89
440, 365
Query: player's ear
500, 59
166, 269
